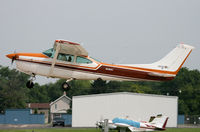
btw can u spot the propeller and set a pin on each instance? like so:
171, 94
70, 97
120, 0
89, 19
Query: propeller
14, 58
99, 124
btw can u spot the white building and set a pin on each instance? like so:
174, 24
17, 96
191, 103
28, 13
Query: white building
88, 109
60, 106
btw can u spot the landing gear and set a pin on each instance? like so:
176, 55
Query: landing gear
66, 86
30, 83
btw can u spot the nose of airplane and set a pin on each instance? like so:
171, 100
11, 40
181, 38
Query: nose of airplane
10, 56
13, 57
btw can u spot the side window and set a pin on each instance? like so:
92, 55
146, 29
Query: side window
82, 60
65, 57
56, 106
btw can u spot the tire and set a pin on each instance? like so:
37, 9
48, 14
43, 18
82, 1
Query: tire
29, 84
65, 86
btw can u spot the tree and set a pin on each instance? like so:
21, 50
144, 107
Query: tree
13, 93
99, 86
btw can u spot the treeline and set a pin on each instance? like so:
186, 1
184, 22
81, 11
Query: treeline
14, 94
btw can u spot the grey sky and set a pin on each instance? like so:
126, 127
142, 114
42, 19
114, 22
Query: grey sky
114, 31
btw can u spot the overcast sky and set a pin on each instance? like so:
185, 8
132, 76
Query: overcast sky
113, 31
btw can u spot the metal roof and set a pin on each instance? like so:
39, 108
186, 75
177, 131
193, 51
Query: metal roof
38, 105
125, 93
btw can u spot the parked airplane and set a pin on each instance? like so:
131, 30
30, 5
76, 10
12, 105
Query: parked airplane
70, 61
155, 123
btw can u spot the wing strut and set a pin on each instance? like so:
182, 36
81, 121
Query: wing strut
54, 60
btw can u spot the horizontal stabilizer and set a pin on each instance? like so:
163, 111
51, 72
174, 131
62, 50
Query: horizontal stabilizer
160, 74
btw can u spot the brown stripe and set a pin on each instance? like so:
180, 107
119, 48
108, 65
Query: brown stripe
110, 71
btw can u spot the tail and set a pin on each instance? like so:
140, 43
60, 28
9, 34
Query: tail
175, 59
169, 65
159, 122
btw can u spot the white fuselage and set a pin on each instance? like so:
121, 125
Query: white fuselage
34, 65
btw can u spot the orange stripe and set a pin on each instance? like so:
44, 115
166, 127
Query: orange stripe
139, 68
183, 63
150, 70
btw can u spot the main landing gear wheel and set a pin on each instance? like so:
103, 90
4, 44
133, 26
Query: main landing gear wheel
29, 84
65, 86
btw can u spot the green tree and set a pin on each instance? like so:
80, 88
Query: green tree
13, 93
99, 86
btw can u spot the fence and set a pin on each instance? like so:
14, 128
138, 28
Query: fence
192, 119
21, 116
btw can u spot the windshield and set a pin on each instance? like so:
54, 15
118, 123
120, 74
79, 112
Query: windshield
95, 59
49, 52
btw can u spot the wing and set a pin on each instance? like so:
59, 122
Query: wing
67, 47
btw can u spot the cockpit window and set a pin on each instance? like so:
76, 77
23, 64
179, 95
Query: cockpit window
82, 60
65, 57
95, 59
49, 52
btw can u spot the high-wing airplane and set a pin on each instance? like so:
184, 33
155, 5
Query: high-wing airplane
155, 123
69, 60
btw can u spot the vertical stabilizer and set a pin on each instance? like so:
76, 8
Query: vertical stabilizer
160, 122
174, 60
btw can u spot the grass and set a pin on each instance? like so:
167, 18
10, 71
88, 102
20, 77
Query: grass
91, 130
182, 130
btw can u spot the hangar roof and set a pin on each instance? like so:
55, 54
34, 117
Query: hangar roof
126, 93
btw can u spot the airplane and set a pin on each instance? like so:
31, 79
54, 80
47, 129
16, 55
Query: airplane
155, 123
69, 60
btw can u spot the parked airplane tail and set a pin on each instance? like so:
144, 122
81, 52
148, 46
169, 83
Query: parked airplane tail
159, 122
174, 60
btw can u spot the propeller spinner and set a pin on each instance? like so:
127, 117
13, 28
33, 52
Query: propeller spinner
13, 57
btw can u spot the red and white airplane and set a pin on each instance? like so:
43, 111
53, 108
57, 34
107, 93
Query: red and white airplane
70, 61
155, 123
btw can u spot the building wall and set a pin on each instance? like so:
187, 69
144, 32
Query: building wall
21, 116
2, 119
60, 106
68, 119
46, 114
139, 107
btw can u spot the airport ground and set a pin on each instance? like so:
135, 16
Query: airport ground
48, 128
89, 130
